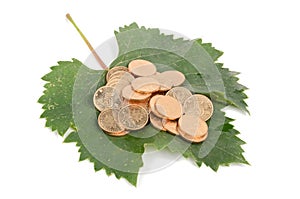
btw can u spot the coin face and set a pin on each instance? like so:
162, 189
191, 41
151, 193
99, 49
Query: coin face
106, 97
115, 69
169, 107
152, 103
198, 105
141, 68
129, 94
145, 85
156, 122
170, 126
108, 121
191, 127
133, 117
179, 93
177, 78
122, 75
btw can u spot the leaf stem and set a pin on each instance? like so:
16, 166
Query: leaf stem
99, 60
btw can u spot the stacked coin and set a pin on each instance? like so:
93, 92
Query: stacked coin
138, 92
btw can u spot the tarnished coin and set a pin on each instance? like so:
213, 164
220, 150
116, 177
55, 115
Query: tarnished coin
108, 121
145, 85
156, 122
129, 94
133, 117
191, 127
106, 97
115, 69
141, 68
170, 126
169, 107
152, 103
179, 93
177, 78
198, 105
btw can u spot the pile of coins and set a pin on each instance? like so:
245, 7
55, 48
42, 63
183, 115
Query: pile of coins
138, 92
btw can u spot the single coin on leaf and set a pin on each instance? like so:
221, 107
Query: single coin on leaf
156, 92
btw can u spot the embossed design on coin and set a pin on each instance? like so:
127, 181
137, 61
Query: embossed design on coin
156, 122
169, 107
145, 85
109, 123
133, 117
198, 105
179, 93
141, 68
191, 127
106, 97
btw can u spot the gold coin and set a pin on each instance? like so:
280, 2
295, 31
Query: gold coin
171, 126
198, 105
169, 107
129, 94
122, 75
165, 84
152, 105
141, 68
108, 121
156, 122
191, 127
179, 93
133, 117
145, 85
177, 78
106, 97
192, 139
118, 134
115, 69
144, 103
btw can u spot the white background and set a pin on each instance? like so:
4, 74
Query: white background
259, 38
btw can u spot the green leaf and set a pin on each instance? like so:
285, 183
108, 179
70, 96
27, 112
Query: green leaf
68, 104
58, 95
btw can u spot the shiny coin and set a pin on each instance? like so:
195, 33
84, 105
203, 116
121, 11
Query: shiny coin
144, 103
129, 94
179, 93
169, 107
145, 85
156, 122
133, 117
198, 105
106, 97
141, 68
115, 69
165, 84
122, 75
191, 127
152, 103
177, 78
118, 134
170, 126
192, 139
109, 122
